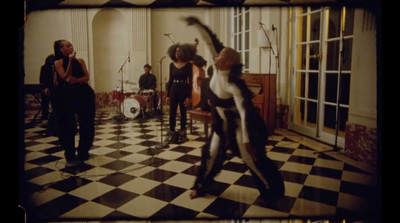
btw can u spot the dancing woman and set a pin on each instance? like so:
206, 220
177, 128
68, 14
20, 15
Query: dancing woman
237, 125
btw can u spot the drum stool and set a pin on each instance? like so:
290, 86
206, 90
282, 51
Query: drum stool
202, 116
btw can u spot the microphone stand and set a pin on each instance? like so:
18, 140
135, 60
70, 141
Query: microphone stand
161, 145
168, 35
121, 116
269, 62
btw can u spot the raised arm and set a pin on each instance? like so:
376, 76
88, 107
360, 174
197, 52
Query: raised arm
207, 34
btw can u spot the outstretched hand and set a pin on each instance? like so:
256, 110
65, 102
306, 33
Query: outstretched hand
191, 20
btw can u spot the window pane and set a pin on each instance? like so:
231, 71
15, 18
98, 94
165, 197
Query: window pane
330, 116
235, 25
239, 42
247, 18
301, 84
347, 48
301, 52
312, 112
303, 25
247, 40
345, 89
349, 23
334, 22
240, 22
315, 26
312, 85
314, 56
331, 88
332, 60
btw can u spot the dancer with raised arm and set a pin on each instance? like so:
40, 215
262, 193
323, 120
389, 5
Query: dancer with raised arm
237, 125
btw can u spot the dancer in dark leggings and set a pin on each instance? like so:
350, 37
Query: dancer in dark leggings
179, 89
73, 98
237, 125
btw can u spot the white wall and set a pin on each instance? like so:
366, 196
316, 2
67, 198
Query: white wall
363, 85
42, 28
110, 48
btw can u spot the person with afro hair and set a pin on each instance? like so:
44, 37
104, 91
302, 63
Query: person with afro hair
179, 89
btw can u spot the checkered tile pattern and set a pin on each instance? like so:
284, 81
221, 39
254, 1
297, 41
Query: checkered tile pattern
127, 178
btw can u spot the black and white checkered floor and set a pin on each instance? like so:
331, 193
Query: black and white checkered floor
127, 178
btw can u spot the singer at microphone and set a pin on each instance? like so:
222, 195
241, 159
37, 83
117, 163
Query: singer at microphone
77, 99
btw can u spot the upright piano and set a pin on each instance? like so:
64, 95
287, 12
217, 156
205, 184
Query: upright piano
264, 88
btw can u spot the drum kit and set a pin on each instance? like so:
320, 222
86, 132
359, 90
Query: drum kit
131, 104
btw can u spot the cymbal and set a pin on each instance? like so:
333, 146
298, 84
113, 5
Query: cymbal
129, 82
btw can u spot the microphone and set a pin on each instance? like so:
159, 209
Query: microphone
167, 34
261, 24
129, 56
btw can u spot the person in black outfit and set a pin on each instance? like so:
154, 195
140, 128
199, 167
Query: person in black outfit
237, 126
73, 98
148, 81
46, 78
179, 88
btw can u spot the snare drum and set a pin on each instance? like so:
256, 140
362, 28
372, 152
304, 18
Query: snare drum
131, 107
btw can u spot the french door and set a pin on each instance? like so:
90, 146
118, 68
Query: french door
322, 70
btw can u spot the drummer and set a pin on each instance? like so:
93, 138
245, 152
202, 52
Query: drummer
148, 81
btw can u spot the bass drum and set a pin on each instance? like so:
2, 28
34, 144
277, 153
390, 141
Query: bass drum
131, 107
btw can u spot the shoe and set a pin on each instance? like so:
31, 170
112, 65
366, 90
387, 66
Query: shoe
172, 137
83, 157
182, 136
73, 163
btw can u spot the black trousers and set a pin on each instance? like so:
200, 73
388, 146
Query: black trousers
179, 93
74, 103
45, 105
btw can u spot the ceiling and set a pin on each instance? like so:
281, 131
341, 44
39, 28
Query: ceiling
54, 4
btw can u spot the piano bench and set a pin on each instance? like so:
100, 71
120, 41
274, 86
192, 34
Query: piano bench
202, 116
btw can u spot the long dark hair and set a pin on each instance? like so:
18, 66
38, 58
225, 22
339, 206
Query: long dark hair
187, 52
57, 45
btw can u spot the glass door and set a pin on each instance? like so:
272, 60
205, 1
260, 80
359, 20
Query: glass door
321, 78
